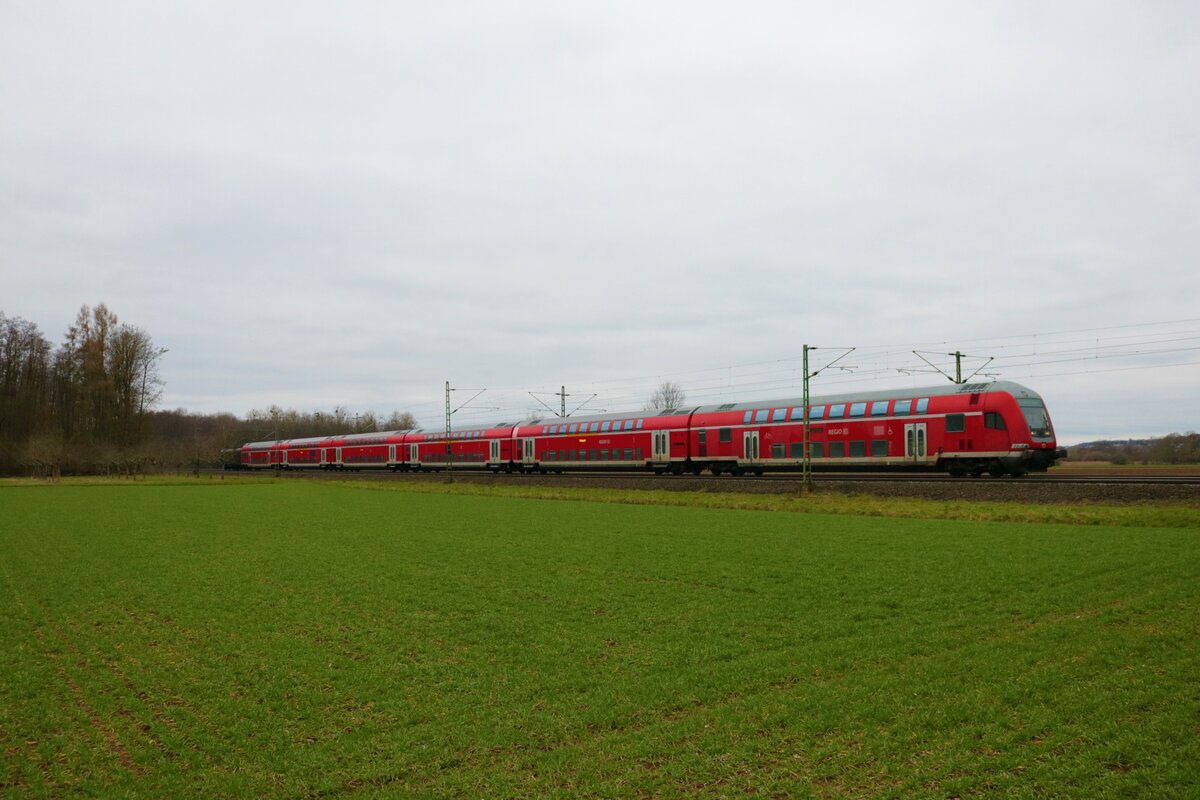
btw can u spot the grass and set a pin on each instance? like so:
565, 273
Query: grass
292, 639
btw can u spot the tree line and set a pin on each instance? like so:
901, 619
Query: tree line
88, 405
1174, 448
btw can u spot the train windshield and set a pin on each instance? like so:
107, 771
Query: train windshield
1039, 421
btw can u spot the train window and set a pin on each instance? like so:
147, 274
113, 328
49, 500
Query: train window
797, 449
604, 454
616, 454
858, 409
702, 437
639, 454
572, 428
816, 412
858, 449
779, 415
762, 414
628, 425
879, 448
993, 420
551, 455
879, 408
639, 425
816, 449
725, 436
922, 405
604, 427
778, 450
837, 449
956, 423
837, 411
746, 419
797, 414
629, 454
903, 407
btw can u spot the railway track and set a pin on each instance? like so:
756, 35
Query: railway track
788, 479
1040, 489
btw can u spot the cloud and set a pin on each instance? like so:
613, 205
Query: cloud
312, 207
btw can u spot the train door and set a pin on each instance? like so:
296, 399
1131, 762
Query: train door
527, 451
392, 454
414, 455
915, 442
661, 449
494, 450
750, 446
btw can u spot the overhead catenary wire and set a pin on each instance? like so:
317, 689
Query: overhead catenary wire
1016, 356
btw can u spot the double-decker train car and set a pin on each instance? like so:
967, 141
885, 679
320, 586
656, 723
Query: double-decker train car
999, 428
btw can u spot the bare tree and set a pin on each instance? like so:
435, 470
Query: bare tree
400, 421
667, 395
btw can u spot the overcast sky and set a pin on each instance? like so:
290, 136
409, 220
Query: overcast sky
316, 204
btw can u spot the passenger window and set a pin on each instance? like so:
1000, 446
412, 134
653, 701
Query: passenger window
837, 449
594, 427
816, 412
778, 450
797, 414
572, 428
903, 407
748, 416
761, 415
956, 423
779, 415
628, 424
858, 449
639, 425
922, 405
797, 449
858, 409
994, 421
879, 408
837, 411
604, 427
702, 436
816, 449
726, 435
879, 448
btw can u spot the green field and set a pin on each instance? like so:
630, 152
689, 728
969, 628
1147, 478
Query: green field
297, 639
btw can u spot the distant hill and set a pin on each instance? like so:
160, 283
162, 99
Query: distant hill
1174, 448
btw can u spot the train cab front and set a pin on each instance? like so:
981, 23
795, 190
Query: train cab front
1042, 452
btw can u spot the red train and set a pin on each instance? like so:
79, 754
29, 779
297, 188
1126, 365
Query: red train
1001, 428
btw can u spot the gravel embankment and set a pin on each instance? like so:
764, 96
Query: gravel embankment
1043, 490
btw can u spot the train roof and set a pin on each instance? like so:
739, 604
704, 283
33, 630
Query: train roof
942, 390
313, 441
1015, 389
